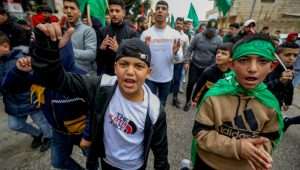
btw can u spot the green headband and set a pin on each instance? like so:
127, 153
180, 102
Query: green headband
261, 48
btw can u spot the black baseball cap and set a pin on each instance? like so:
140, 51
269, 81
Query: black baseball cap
136, 48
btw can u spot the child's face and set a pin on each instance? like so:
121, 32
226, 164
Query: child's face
4, 49
132, 73
288, 56
222, 57
251, 70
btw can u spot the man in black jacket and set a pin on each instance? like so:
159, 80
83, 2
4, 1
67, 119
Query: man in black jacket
126, 118
111, 36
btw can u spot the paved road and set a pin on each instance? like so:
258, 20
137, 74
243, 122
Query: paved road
15, 153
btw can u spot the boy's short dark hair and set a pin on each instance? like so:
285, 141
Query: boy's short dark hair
284, 45
289, 45
3, 11
3, 38
74, 1
226, 47
180, 19
162, 2
117, 2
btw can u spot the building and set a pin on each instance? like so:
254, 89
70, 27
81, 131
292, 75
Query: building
281, 15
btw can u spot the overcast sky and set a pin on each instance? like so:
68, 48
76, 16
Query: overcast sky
180, 8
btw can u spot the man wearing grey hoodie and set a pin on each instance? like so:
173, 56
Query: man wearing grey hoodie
201, 54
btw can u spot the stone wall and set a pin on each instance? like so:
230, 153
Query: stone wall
280, 14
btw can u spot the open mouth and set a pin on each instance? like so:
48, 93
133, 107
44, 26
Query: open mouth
251, 78
159, 16
129, 82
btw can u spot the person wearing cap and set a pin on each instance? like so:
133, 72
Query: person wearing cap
239, 121
164, 43
292, 37
188, 28
249, 28
232, 32
200, 54
126, 119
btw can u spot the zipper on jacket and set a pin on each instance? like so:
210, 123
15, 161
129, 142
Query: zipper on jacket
54, 115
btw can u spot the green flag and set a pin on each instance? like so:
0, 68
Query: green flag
224, 6
193, 15
97, 8
172, 23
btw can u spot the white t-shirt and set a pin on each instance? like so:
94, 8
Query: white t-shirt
161, 47
124, 124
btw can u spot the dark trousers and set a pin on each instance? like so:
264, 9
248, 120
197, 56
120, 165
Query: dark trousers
106, 166
177, 78
162, 90
294, 120
194, 74
61, 151
200, 165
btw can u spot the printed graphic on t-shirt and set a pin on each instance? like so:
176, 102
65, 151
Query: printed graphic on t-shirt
122, 123
241, 131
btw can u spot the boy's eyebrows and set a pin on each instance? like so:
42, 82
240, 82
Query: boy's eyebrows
135, 63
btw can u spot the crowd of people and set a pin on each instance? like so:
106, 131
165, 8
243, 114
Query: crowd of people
105, 88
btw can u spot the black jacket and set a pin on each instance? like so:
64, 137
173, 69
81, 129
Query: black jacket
106, 58
98, 91
283, 92
207, 79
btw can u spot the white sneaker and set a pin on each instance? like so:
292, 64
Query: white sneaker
185, 164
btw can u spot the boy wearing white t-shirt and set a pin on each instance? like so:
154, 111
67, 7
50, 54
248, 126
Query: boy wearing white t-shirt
126, 119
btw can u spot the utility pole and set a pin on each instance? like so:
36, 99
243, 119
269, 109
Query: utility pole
252, 9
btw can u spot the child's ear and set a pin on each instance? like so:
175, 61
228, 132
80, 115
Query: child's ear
115, 67
274, 65
230, 63
149, 72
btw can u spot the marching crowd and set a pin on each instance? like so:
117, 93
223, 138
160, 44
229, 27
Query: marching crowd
104, 88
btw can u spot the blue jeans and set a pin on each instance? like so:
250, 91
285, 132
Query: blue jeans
177, 78
61, 151
162, 90
19, 124
296, 80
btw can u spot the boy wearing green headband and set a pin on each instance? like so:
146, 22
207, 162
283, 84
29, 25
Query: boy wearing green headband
239, 120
